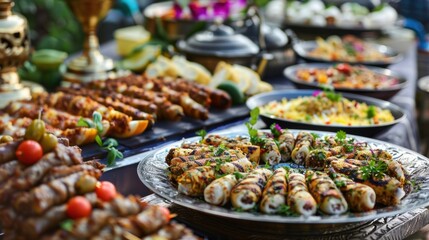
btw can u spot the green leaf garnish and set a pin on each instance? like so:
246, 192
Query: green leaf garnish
370, 113
238, 175
315, 135
374, 168
341, 135
340, 183
219, 150
98, 140
82, 122
97, 121
254, 115
67, 225
202, 133
285, 210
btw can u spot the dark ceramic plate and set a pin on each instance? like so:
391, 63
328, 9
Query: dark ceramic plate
385, 93
302, 49
262, 99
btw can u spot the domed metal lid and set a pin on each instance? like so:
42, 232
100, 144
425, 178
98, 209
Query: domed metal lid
220, 41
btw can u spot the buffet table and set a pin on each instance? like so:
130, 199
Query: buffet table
404, 134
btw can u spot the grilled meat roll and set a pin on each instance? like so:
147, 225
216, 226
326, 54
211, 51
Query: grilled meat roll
388, 190
327, 195
194, 181
270, 152
179, 168
286, 144
317, 159
7, 151
359, 197
218, 192
274, 194
303, 143
246, 194
210, 153
216, 140
39, 199
299, 198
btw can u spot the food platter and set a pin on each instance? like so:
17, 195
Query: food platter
303, 48
384, 93
152, 172
371, 130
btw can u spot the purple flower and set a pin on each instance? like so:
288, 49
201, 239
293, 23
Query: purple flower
316, 93
221, 9
178, 10
278, 128
198, 12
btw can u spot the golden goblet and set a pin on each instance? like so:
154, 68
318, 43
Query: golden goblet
91, 65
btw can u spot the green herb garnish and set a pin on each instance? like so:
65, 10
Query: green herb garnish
341, 135
67, 224
370, 113
202, 133
219, 150
374, 168
285, 210
340, 183
109, 144
315, 135
253, 133
335, 97
238, 175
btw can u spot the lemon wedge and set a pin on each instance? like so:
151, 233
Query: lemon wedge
139, 60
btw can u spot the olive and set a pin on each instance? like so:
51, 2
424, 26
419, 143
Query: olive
49, 142
35, 131
6, 139
86, 184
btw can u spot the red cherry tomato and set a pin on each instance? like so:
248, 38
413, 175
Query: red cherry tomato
29, 152
344, 68
78, 207
105, 191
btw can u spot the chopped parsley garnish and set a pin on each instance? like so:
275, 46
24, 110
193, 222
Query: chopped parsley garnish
341, 135
202, 133
307, 117
219, 150
340, 183
238, 175
315, 135
370, 113
285, 210
374, 168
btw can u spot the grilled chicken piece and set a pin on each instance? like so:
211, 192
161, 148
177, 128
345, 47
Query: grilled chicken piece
52, 117
216, 140
179, 168
246, 194
359, 197
210, 153
325, 192
303, 143
194, 181
286, 144
64, 171
8, 169
135, 113
218, 192
121, 125
275, 192
299, 198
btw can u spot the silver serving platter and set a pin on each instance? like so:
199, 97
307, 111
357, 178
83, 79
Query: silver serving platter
152, 171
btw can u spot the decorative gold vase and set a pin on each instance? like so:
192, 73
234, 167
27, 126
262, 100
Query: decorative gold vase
14, 50
91, 65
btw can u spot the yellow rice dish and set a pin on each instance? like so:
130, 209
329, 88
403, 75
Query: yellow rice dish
327, 108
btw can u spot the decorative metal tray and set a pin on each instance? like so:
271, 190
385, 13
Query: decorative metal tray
152, 172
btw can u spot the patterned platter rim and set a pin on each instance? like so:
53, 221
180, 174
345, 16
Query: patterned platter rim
152, 172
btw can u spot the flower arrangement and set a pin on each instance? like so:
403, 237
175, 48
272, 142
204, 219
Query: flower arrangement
206, 9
